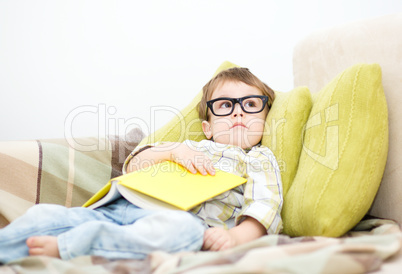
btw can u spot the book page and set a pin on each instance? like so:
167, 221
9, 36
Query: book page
104, 198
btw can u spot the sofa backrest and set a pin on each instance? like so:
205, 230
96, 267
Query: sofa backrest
322, 55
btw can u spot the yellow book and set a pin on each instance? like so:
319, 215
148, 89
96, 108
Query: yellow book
165, 186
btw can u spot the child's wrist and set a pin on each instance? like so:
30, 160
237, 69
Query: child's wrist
174, 153
166, 151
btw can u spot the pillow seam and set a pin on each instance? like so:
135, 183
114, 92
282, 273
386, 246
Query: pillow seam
315, 162
357, 74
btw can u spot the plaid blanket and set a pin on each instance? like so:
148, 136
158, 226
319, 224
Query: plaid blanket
58, 171
363, 250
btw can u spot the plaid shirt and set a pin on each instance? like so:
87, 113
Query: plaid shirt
260, 197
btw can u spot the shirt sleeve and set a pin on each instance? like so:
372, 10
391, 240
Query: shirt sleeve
263, 198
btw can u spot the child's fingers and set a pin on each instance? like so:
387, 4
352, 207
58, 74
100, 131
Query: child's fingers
203, 168
208, 239
190, 167
203, 165
206, 245
209, 167
186, 164
195, 162
206, 168
216, 239
218, 245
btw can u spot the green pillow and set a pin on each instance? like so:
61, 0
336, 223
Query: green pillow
187, 125
343, 158
283, 131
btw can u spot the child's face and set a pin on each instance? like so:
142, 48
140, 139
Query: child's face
239, 128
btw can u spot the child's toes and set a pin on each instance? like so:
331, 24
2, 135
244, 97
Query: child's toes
34, 246
30, 242
34, 242
36, 251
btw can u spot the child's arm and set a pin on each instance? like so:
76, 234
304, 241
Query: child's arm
177, 152
218, 238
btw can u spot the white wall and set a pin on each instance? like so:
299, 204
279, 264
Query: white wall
93, 67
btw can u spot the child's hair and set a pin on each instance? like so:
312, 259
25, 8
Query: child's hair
233, 74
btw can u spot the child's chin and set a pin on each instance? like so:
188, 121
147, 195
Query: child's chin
240, 140
243, 143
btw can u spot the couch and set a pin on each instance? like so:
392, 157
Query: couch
69, 171
323, 54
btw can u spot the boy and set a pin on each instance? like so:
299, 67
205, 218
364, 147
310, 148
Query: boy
233, 109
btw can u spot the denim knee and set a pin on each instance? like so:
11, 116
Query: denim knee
45, 208
44, 211
186, 231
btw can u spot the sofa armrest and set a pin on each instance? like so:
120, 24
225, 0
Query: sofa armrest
58, 171
322, 55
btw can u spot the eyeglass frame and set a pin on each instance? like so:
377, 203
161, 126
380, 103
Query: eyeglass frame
240, 100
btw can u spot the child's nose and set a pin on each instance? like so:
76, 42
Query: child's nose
237, 111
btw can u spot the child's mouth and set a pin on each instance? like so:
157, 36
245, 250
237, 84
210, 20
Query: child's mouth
238, 125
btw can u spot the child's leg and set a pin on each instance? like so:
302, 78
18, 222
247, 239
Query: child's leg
39, 220
121, 230
141, 233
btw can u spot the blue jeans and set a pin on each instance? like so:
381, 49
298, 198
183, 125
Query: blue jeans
119, 230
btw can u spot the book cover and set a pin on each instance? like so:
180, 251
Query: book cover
165, 185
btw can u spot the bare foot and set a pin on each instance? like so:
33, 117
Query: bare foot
43, 245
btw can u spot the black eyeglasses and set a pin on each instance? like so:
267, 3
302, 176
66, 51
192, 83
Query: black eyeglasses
225, 105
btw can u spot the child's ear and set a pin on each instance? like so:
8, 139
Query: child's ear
206, 127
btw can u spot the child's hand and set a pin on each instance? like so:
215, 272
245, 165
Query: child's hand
191, 159
217, 238
180, 153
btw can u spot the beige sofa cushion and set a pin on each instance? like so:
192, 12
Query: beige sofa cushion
322, 55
